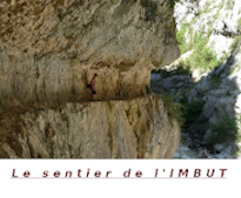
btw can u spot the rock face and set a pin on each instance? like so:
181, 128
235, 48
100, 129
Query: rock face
211, 95
220, 20
50, 50
221, 89
138, 128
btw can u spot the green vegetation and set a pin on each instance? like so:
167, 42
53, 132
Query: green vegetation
206, 9
182, 69
148, 90
193, 122
192, 114
237, 39
223, 131
196, 41
204, 59
174, 109
230, 4
181, 39
171, 3
239, 22
186, 113
191, 111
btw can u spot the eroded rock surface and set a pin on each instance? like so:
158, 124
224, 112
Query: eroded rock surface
137, 128
50, 49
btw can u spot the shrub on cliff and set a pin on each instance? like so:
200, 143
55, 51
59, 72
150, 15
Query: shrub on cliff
224, 131
203, 59
174, 108
181, 39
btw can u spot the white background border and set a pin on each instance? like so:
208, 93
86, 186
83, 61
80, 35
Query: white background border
117, 186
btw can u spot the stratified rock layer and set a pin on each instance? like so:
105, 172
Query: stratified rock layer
50, 50
138, 128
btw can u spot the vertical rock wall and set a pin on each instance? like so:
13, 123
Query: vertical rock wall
49, 49
139, 128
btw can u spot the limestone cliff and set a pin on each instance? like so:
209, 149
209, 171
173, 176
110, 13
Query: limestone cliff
206, 79
138, 128
50, 49
49, 52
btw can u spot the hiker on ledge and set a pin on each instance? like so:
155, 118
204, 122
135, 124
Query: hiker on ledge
92, 86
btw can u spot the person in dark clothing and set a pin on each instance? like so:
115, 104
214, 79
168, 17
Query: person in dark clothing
92, 86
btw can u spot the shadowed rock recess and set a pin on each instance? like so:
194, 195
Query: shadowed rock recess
50, 50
